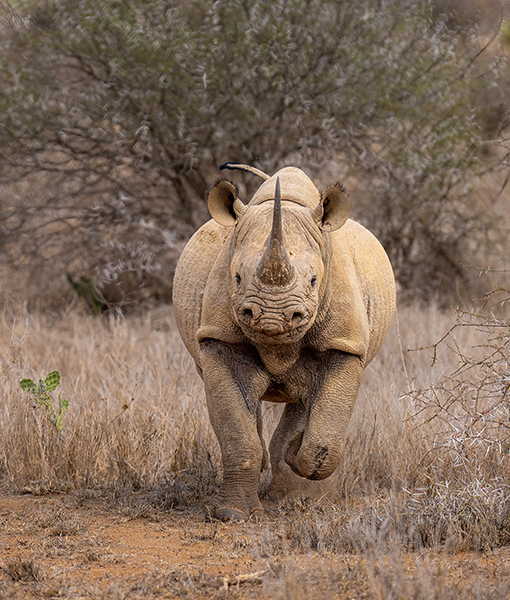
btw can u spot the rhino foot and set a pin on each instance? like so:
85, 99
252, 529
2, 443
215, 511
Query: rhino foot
225, 513
277, 493
228, 512
287, 484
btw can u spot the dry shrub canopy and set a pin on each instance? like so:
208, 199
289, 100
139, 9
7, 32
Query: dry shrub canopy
115, 113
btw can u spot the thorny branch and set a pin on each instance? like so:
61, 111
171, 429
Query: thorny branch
472, 405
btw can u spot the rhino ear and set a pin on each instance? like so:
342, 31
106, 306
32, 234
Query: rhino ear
224, 205
333, 210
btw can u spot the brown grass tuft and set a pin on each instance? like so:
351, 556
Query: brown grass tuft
136, 418
21, 569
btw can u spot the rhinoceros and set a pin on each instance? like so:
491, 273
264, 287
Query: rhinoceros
283, 299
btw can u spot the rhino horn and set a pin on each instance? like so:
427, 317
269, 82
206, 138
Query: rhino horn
275, 267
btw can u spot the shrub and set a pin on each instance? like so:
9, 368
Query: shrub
115, 115
470, 408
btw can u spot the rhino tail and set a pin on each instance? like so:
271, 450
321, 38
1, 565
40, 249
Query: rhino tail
245, 168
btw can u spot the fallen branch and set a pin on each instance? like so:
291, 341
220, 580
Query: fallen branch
247, 578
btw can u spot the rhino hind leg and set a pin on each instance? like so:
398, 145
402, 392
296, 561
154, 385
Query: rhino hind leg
260, 431
284, 482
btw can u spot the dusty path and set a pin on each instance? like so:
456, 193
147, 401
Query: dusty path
59, 546
75, 544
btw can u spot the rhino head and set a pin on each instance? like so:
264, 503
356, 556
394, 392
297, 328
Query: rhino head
280, 252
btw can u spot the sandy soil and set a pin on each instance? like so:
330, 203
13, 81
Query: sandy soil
86, 543
59, 546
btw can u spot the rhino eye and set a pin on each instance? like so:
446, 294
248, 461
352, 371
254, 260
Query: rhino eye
313, 281
238, 278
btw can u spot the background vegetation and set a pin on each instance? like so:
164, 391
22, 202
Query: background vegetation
115, 117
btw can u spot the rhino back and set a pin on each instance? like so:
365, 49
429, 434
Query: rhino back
191, 275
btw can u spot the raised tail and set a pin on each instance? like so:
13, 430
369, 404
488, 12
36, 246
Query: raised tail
246, 168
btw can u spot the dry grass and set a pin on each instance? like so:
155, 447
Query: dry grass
18, 569
136, 415
137, 418
137, 421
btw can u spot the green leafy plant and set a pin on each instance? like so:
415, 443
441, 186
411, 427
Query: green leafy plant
42, 398
87, 290
504, 33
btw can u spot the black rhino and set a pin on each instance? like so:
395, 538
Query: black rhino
284, 299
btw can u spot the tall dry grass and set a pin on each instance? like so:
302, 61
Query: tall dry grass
137, 421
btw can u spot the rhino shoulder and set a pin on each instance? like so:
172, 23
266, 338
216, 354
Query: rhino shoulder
197, 260
357, 313
342, 323
375, 280
217, 317
192, 273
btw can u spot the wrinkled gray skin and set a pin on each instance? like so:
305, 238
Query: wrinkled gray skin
284, 301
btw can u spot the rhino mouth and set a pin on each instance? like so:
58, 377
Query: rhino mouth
274, 330
271, 339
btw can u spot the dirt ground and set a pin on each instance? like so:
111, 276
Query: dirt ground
60, 546
87, 545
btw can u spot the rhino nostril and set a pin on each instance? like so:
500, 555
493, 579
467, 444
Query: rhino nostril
248, 313
297, 317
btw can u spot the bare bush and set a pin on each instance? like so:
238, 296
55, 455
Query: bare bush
470, 408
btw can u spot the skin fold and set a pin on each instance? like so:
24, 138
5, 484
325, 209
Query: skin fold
284, 299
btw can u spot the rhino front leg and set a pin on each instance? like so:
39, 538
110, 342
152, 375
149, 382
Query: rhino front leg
315, 451
234, 381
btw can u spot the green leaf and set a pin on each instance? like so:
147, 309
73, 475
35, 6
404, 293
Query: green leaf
52, 380
28, 386
63, 404
46, 400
